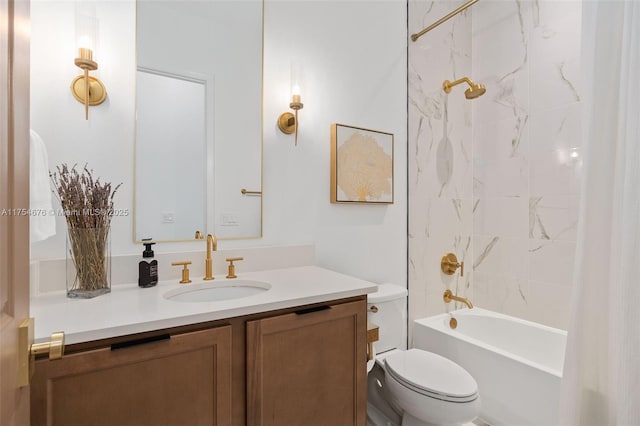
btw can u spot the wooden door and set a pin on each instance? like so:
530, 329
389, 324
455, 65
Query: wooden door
14, 202
177, 380
308, 368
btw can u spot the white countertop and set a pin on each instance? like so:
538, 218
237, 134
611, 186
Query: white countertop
129, 309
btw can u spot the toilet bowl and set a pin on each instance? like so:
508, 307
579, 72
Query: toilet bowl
430, 389
413, 387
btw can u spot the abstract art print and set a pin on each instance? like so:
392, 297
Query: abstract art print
361, 165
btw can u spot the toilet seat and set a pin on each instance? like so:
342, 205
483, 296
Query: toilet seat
431, 375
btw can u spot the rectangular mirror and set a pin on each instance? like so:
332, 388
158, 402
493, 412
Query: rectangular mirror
198, 119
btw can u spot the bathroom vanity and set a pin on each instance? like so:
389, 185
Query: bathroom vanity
295, 354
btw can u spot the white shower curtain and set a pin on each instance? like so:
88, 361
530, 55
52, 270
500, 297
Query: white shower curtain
601, 384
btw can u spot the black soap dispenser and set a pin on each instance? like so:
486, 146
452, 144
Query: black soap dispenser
148, 266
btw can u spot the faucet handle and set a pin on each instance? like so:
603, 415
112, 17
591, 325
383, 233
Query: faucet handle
199, 235
232, 268
449, 264
185, 270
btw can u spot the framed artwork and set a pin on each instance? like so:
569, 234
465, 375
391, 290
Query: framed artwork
361, 165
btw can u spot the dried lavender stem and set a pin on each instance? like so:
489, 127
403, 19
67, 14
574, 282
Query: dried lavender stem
88, 206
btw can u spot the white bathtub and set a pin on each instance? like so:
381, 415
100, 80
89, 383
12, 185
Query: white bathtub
517, 363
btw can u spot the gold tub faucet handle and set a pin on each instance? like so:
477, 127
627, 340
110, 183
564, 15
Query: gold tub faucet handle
449, 264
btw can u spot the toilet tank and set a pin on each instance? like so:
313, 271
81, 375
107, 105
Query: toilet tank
387, 308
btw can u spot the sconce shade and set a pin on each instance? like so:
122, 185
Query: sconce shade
86, 23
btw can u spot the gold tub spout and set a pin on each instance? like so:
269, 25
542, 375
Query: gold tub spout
448, 296
212, 245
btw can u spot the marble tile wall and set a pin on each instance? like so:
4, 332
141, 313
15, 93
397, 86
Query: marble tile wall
503, 191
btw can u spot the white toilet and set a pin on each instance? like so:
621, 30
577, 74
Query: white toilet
413, 387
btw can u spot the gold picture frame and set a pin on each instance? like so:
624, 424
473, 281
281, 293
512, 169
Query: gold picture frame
361, 165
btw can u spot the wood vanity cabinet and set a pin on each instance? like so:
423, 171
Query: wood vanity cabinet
181, 379
308, 367
299, 366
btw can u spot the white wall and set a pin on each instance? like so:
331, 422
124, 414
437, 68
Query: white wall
354, 59
105, 141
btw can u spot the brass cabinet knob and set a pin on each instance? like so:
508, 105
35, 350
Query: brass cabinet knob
232, 268
373, 309
449, 264
185, 270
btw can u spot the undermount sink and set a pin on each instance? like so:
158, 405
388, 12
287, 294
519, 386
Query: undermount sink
213, 291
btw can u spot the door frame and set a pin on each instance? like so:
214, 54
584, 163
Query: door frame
14, 202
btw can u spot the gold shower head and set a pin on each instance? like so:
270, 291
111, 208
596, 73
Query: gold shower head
475, 89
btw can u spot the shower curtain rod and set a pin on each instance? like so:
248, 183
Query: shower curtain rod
416, 36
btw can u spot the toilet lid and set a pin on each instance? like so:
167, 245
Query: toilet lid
432, 375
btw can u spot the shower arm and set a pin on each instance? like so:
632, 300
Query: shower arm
416, 36
447, 85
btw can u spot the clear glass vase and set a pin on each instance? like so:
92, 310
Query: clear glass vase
88, 262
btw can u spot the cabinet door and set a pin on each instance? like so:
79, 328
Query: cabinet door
308, 368
184, 379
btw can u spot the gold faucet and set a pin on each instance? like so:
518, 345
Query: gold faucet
212, 245
448, 296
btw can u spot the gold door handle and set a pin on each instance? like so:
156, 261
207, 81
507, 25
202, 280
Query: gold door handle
27, 350
54, 347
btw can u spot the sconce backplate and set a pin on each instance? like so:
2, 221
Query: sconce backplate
97, 91
287, 123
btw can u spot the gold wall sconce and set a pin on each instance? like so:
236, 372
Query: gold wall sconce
288, 122
87, 89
